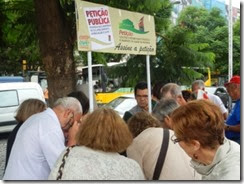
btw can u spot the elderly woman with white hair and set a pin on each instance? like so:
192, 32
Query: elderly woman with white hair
162, 111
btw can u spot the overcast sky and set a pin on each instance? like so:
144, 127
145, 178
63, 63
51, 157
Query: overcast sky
235, 3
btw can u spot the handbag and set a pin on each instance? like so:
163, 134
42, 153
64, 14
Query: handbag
61, 167
162, 154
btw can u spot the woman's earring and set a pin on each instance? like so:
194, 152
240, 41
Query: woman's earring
195, 156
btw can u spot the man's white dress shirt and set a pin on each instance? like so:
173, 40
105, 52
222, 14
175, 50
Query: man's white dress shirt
38, 144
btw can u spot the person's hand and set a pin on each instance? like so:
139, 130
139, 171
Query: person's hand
72, 133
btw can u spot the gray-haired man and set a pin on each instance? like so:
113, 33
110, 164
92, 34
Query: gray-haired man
40, 141
199, 85
172, 90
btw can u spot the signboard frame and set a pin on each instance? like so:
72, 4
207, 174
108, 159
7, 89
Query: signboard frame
101, 28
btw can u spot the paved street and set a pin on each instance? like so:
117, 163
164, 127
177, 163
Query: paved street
3, 144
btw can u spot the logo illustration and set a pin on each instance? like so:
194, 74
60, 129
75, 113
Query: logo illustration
128, 25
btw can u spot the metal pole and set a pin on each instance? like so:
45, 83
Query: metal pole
89, 56
230, 69
149, 84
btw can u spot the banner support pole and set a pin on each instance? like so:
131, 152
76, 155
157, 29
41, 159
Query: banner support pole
89, 56
149, 84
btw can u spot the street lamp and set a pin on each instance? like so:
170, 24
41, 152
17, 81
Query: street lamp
230, 68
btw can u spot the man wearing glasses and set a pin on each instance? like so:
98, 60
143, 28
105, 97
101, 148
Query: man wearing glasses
41, 139
141, 95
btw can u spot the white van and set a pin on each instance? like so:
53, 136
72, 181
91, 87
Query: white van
11, 96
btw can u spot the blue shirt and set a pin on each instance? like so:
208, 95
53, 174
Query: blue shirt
234, 119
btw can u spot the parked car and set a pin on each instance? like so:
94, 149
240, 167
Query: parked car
122, 103
222, 93
11, 96
211, 89
106, 97
6, 79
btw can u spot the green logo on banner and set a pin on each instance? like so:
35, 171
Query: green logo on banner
127, 24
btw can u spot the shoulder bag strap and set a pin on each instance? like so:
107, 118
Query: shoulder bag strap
61, 167
162, 154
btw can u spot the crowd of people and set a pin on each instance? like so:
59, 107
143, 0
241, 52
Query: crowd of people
188, 136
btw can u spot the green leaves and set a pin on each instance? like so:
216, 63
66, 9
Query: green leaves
199, 46
200, 38
19, 36
210, 27
236, 48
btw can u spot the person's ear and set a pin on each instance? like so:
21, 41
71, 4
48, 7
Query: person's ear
68, 113
180, 100
168, 122
196, 145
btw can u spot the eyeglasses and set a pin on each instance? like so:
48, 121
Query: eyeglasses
174, 139
142, 96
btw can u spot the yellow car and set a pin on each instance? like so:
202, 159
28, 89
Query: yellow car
106, 97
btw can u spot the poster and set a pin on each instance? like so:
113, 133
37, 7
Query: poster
104, 29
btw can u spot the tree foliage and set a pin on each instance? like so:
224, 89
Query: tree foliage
18, 37
178, 51
236, 48
211, 27
200, 38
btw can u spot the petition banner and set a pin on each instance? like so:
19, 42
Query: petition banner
104, 29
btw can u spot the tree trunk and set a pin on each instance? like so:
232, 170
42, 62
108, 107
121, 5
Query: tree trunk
56, 46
